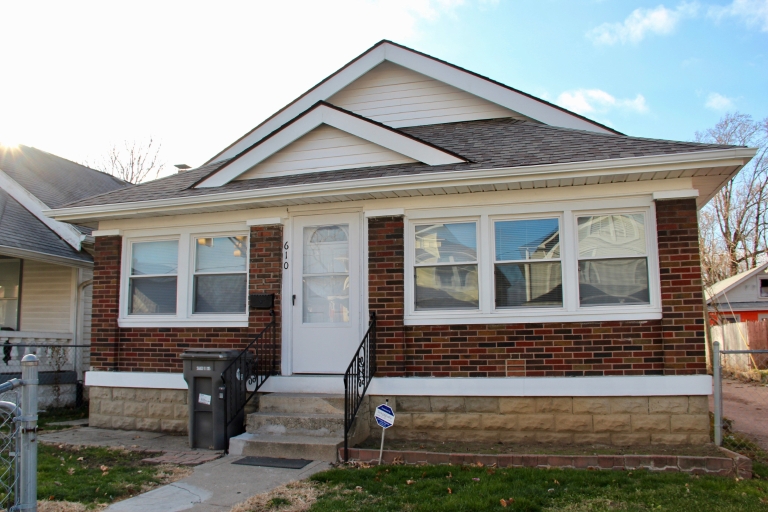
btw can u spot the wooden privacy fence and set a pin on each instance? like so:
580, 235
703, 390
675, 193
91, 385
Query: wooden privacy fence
742, 336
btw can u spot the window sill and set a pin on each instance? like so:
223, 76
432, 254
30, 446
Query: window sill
528, 317
217, 321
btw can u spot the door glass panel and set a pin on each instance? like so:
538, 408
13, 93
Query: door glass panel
326, 274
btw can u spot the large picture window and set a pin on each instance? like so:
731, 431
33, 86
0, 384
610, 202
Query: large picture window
220, 274
446, 266
562, 266
152, 285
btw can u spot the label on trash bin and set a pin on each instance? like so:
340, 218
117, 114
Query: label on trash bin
204, 399
202, 368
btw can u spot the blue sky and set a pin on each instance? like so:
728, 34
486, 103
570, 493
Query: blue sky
79, 76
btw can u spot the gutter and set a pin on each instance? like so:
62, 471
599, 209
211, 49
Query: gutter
634, 165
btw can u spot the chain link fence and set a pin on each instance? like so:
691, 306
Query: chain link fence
741, 401
9, 440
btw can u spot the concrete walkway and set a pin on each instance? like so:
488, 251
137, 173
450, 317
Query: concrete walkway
215, 487
131, 439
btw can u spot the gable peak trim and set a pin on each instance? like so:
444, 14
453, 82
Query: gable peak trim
324, 113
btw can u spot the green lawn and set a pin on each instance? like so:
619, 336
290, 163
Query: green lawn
455, 488
45, 418
93, 475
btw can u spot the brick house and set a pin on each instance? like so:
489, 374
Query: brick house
535, 275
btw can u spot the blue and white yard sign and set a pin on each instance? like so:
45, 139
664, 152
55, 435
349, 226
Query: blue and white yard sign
385, 416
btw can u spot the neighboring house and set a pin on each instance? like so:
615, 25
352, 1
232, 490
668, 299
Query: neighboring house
740, 298
535, 275
45, 266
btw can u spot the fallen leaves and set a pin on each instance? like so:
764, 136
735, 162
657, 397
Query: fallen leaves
508, 502
450, 491
410, 482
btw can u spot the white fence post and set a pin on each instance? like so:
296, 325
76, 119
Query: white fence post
717, 371
28, 474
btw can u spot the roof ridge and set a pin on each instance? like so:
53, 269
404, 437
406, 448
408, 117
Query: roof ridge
77, 163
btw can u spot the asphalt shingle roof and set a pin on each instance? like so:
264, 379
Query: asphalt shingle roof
54, 180
487, 144
19, 229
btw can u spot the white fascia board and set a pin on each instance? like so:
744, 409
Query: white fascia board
650, 385
656, 163
105, 232
322, 114
486, 89
25, 254
37, 208
675, 194
266, 221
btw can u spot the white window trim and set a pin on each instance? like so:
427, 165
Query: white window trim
184, 282
571, 310
760, 280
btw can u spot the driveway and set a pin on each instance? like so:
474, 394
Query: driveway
746, 405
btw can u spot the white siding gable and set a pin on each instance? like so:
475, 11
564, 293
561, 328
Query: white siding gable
748, 291
398, 96
323, 149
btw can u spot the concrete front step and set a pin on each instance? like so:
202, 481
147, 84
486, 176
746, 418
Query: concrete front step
284, 423
286, 446
307, 403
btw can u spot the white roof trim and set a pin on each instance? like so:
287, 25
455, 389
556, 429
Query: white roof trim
105, 232
713, 292
340, 119
433, 68
675, 194
264, 221
655, 163
37, 208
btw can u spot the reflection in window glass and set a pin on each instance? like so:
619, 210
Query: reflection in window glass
152, 285
533, 239
10, 282
220, 279
616, 281
446, 243
607, 236
447, 287
522, 275
446, 272
325, 297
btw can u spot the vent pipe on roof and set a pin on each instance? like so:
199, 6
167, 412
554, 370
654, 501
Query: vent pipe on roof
182, 167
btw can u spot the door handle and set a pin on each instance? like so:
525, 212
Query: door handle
294, 300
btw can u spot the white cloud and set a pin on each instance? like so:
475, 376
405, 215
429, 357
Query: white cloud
752, 12
718, 102
641, 22
596, 101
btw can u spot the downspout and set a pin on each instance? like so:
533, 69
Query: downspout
78, 316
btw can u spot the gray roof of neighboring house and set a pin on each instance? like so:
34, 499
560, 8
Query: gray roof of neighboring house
20, 230
487, 144
54, 180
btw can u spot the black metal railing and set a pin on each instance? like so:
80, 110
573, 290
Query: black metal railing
250, 369
356, 379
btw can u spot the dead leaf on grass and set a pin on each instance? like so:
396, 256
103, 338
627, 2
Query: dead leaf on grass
301, 496
409, 482
503, 502
67, 506
450, 491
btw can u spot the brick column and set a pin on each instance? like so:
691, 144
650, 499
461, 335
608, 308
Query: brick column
265, 275
106, 300
681, 287
386, 292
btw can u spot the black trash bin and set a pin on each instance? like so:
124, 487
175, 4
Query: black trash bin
207, 406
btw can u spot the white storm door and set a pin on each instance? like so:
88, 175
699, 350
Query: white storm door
326, 289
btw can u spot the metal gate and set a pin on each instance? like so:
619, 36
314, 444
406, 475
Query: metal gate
18, 439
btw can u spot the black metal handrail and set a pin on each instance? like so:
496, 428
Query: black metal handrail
357, 377
252, 367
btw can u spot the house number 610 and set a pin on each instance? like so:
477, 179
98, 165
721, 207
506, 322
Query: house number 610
285, 264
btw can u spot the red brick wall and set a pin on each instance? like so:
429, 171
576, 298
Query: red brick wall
673, 345
158, 349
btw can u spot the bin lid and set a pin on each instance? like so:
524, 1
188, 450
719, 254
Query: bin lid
210, 353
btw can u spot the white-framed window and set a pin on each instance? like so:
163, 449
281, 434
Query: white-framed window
763, 287
185, 278
568, 265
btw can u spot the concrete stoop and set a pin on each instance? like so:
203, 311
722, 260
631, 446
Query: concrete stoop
293, 425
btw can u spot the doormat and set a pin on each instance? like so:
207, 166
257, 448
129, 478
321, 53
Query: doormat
273, 462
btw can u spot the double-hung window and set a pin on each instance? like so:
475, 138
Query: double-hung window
527, 270
187, 278
446, 264
509, 265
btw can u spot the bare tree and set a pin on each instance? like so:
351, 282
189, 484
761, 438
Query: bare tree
734, 224
132, 161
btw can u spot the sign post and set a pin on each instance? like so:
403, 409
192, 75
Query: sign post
385, 417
